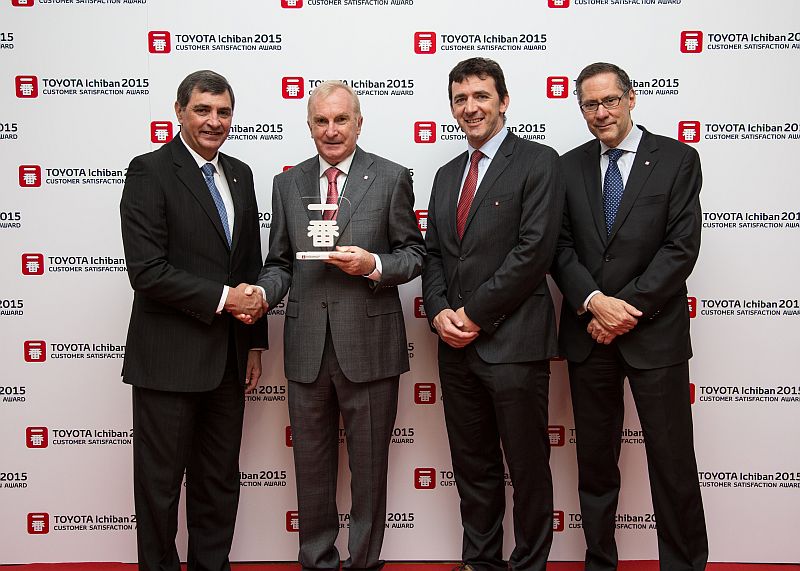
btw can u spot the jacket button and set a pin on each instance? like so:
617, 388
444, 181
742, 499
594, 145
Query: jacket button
324, 304
607, 258
461, 258
459, 296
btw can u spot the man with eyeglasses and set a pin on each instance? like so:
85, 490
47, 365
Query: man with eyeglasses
629, 240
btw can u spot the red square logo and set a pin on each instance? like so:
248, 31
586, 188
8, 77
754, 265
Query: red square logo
38, 523
36, 437
424, 478
159, 42
293, 87
557, 87
689, 131
35, 351
558, 3
419, 308
425, 42
22, 3
27, 86
30, 176
424, 132
288, 436
692, 393
558, 520
691, 41
32, 264
292, 522
287, 167
161, 131
422, 219
424, 393
692, 301
557, 435
291, 3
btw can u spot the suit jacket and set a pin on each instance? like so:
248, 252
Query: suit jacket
645, 261
366, 318
178, 260
497, 270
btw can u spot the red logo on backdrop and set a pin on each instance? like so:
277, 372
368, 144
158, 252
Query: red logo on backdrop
291, 3
558, 520
692, 306
159, 42
35, 351
293, 87
424, 478
32, 264
558, 3
27, 86
424, 132
289, 441
424, 393
292, 521
689, 131
691, 42
692, 392
22, 2
30, 176
425, 42
38, 523
160, 131
557, 435
419, 308
558, 87
422, 219
287, 167
36, 437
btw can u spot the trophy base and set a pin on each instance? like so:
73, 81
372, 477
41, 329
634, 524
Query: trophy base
314, 255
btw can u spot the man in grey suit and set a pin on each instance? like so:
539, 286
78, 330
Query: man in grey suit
493, 222
190, 232
630, 238
344, 335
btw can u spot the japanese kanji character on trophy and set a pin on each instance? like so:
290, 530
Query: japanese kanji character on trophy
328, 225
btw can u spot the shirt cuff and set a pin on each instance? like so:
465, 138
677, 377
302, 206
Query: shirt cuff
221, 304
376, 273
585, 307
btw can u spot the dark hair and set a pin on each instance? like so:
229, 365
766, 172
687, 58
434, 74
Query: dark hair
205, 81
480, 67
623, 81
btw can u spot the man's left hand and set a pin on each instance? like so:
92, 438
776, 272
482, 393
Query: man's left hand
469, 325
352, 260
253, 370
600, 333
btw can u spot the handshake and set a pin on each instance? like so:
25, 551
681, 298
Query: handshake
246, 303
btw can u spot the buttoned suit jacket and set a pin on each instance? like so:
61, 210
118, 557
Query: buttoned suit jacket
652, 249
497, 271
365, 317
178, 260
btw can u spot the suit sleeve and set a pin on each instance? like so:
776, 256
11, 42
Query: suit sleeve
145, 238
404, 262
667, 272
434, 282
276, 275
526, 265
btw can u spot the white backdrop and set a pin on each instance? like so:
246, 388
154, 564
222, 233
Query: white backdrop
87, 84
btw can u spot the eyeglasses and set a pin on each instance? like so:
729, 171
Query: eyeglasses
608, 103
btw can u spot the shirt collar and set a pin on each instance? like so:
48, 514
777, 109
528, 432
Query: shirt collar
490, 147
200, 160
343, 166
630, 143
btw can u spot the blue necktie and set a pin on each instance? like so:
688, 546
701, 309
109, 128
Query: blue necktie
208, 173
612, 188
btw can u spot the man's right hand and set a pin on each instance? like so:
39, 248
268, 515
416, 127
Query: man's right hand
615, 315
448, 325
246, 303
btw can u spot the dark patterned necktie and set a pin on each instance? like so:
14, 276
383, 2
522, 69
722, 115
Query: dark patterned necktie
612, 188
467, 193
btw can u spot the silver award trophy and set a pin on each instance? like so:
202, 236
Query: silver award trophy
325, 234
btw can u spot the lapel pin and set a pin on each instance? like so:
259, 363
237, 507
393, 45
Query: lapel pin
365, 177
234, 179
647, 163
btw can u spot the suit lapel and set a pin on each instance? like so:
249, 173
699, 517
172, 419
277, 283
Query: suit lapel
593, 186
499, 163
192, 178
643, 164
359, 180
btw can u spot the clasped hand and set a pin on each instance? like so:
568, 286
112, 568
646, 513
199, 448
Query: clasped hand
246, 303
